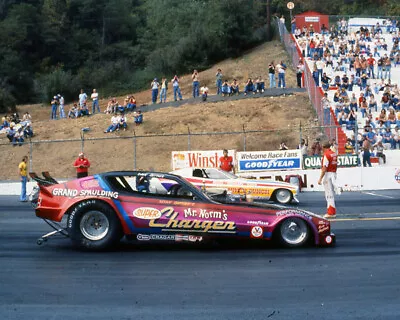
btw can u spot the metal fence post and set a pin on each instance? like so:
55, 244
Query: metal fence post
30, 155
188, 138
134, 150
244, 138
82, 141
300, 133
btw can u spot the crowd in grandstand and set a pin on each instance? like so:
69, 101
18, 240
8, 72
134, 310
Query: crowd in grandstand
355, 70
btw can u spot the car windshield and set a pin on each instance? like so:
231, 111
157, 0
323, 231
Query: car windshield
219, 174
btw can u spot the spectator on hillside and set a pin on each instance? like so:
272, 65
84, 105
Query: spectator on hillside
83, 110
218, 82
195, 83
176, 88
4, 123
28, 132
154, 90
27, 117
61, 102
204, 92
281, 75
283, 146
95, 99
54, 105
108, 109
234, 87
114, 124
164, 88
18, 137
226, 89
10, 132
138, 117
82, 98
122, 122
260, 85
131, 103
299, 73
271, 73
249, 87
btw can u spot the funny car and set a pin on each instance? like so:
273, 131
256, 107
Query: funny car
95, 212
214, 179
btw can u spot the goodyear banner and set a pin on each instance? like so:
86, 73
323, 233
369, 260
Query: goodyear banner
344, 161
199, 159
268, 160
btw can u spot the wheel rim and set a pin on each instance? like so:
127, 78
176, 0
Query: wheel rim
94, 225
294, 231
283, 196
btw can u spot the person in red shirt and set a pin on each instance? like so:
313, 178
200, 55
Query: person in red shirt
371, 63
328, 178
226, 162
82, 165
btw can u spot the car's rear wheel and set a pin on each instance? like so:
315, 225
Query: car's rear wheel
293, 232
94, 225
283, 196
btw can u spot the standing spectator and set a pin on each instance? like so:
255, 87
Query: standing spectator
299, 73
164, 88
95, 99
328, 178
326, 106
24, 178
175, 86
61, 106
82, 98
366, 146
226, 162
154, 90
303, 147
195, 83
281, 75
82, 165
54, 104
371, 64
388, 67
218, 83
204, 92
316, 148
293, 24
271, 73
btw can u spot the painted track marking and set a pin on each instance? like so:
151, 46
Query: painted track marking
377, 195
364, 219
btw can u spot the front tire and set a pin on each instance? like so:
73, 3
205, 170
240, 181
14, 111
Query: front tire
94, 225
283, 196
293, 232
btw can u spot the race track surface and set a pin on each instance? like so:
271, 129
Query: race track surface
357, 279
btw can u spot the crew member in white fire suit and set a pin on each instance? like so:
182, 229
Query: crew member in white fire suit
328, 178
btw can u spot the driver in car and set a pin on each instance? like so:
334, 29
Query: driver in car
142, 183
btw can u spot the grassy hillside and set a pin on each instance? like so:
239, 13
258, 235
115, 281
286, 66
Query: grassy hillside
283, 113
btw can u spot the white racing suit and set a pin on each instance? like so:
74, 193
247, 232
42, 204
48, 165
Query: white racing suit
329, 182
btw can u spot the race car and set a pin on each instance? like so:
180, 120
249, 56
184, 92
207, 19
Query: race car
95, 212
216, 179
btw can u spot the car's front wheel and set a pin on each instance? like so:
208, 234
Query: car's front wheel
94, 225
293, 232
283, 196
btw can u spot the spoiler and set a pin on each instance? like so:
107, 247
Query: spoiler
47, 180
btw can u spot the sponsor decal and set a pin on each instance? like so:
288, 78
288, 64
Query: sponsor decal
84, 193
328, 239
397, 176
258, 223
202, 159
344, 161
257, 232
157, 237
174, 223
322, 229
88, 184
311, 19
205, 214
294, 212
195, 238
253, 191
147, 213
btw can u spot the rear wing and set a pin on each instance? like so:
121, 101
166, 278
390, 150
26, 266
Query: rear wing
47, 180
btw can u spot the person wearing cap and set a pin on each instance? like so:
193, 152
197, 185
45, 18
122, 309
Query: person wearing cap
95, 98
226, 162
82, 165
328, 178
154, 90
24, 178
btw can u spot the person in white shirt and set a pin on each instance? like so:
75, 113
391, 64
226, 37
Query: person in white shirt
82, 98
95, 99
61, 106
204, 92
115, 120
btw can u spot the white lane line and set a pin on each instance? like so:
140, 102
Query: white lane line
364, 219
377, 195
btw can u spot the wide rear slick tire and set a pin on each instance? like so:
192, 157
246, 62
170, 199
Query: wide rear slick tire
93, 225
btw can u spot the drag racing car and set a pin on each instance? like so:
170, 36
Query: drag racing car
95, 212
216, 179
